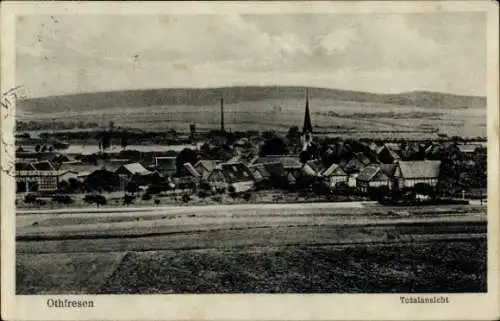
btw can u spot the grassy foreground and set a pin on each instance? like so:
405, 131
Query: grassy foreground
440, 266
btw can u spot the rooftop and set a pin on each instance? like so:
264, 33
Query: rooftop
43, 166
236, 172
136, 168
420, 169
371, 172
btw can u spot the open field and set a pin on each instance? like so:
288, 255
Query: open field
417, 267
438, 267
240, 249
344, 113
351, 118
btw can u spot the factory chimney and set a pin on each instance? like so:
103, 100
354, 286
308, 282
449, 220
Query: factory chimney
222, 115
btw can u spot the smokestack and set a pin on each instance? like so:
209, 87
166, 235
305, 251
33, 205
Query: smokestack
222, 115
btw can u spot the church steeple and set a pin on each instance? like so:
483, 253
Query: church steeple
307, 129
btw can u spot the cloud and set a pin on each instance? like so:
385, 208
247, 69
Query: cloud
83, 53
338, 41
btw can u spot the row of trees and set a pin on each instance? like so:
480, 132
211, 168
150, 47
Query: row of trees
34, 125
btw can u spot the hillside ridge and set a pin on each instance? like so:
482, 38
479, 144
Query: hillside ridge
238, 94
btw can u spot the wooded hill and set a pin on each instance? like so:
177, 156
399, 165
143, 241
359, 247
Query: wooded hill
211, 96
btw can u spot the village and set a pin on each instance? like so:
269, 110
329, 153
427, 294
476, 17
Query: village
225, 168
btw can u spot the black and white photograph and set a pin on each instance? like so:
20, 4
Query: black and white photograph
250, 153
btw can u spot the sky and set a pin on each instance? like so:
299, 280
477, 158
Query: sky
64, 54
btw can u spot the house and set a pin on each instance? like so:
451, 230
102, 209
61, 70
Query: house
260, 172
137, 173
81, 168
356, 163
37, 181
165, 165
317, 166
237, 176
351, 180
289, 162
408, 174
131, 169
292, 165
188, 169
468, 150
389, 169
333, 175
386, 155
413, 151
372, 176
205, 167
37, 177
269, 173
436, 151
104, 180
433, 149
187, 174
242, 158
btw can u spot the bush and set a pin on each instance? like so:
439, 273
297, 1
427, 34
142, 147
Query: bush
95, 199
157, 201
146, 197
30, 198
62, 199
247, 196
89, 199
157, 189
100, 200
128, 199
186, 198
203, 194
220, 190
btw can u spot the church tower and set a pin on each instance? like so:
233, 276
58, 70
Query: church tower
307, 129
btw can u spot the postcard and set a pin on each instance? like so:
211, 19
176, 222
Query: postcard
250, 160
